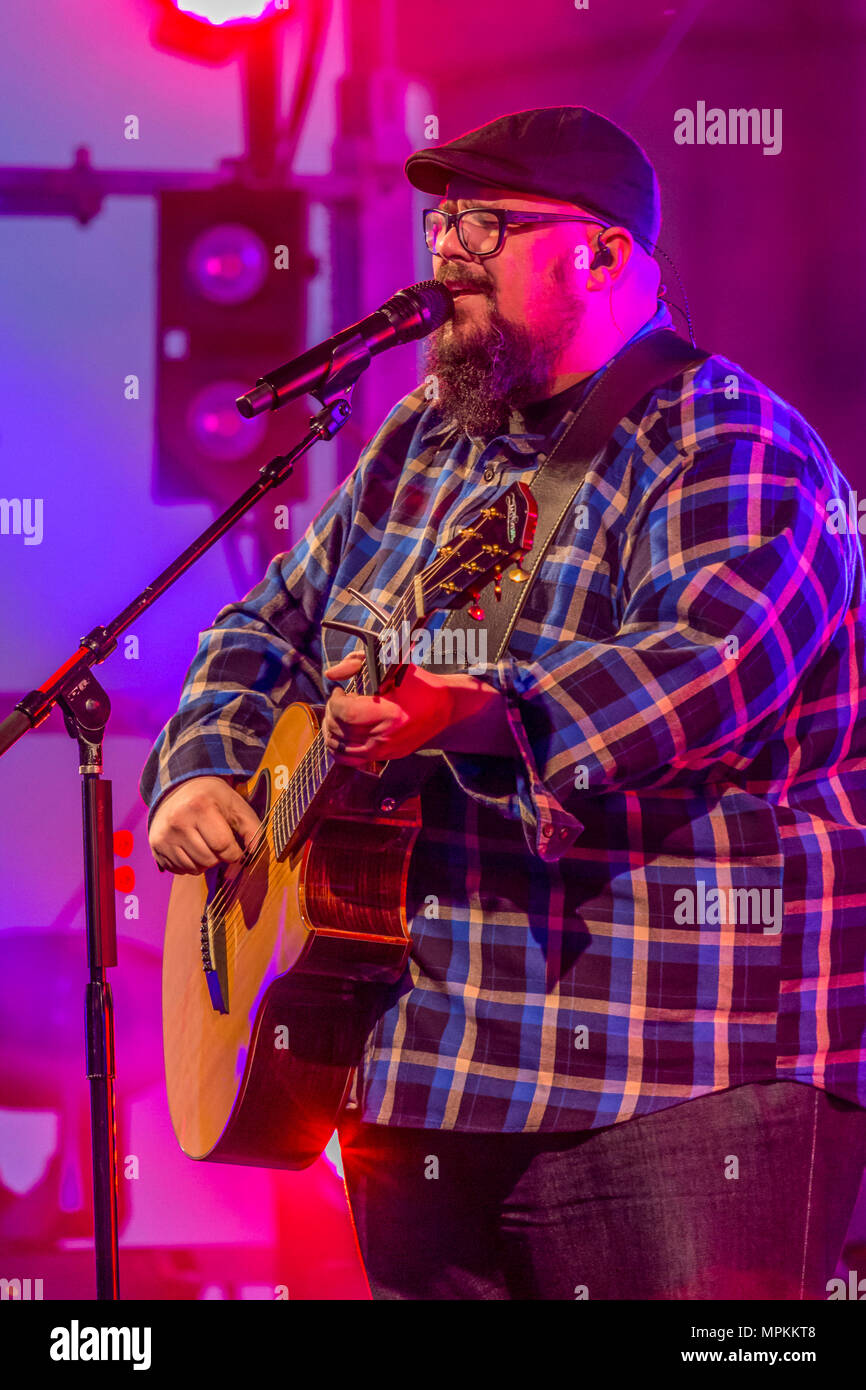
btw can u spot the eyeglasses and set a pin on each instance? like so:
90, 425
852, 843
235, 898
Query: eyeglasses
481, 231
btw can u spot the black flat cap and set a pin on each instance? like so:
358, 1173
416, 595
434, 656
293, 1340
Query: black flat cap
564, 152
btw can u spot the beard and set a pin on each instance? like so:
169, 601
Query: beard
483, 372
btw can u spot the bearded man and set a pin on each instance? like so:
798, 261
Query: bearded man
596, 1078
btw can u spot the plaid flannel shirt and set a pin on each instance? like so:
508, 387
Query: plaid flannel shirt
664, 895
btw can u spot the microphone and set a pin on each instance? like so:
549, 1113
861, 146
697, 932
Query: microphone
410, 313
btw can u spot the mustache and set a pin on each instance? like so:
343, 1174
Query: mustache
472, 282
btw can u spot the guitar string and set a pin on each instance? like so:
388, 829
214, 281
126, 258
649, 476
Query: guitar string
303, 777
293, 794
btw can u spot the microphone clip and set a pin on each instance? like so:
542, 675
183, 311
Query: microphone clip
332, 417
348, 360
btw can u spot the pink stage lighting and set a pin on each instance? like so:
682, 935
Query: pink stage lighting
226, 11
215, 31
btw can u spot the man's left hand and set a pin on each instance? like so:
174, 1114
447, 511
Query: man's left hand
359, 729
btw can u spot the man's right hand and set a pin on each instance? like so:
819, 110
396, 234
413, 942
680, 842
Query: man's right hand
200, 823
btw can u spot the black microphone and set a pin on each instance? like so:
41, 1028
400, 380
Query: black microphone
410, 313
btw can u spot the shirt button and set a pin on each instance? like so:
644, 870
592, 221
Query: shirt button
547, 831
563, 834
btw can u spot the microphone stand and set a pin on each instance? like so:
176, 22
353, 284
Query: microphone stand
86, 708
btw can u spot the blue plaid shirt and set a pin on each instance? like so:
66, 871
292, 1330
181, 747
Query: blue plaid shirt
664, 895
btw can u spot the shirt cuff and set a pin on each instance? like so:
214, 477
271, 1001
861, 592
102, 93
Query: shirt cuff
512, 786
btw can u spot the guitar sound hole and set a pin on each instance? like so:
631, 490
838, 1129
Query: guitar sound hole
260, 797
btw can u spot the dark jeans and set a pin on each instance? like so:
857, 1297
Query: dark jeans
742, 1194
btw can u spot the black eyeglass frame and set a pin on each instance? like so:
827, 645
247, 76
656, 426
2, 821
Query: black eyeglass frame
505, 217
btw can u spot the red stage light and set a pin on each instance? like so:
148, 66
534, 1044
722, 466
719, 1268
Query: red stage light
226, 11
332, 1154
215, 31
215, 427
123, 843
228, 263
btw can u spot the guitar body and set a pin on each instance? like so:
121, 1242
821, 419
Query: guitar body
260, 1048
273, 966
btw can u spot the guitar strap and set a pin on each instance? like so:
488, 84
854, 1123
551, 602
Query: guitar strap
633, 374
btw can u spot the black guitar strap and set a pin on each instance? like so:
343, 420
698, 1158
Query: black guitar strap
632, 375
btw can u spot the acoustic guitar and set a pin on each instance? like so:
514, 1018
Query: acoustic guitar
272, 965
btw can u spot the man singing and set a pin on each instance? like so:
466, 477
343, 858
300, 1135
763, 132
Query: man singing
626, 1059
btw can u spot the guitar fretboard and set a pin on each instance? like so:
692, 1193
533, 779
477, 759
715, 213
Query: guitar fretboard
503, 530
309, 776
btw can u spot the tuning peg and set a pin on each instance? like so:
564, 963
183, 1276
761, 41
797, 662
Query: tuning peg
476, 612
517, 574
497, 581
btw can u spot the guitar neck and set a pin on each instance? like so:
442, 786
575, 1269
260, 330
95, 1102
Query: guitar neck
297, 802
502, 531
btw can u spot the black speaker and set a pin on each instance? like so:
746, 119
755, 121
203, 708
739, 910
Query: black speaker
233, 268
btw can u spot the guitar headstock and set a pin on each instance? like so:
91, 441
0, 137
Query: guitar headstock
502, 532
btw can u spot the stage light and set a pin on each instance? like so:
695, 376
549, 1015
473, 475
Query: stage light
332, 1154
215, 427
228, 263
227, 11
215, 31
